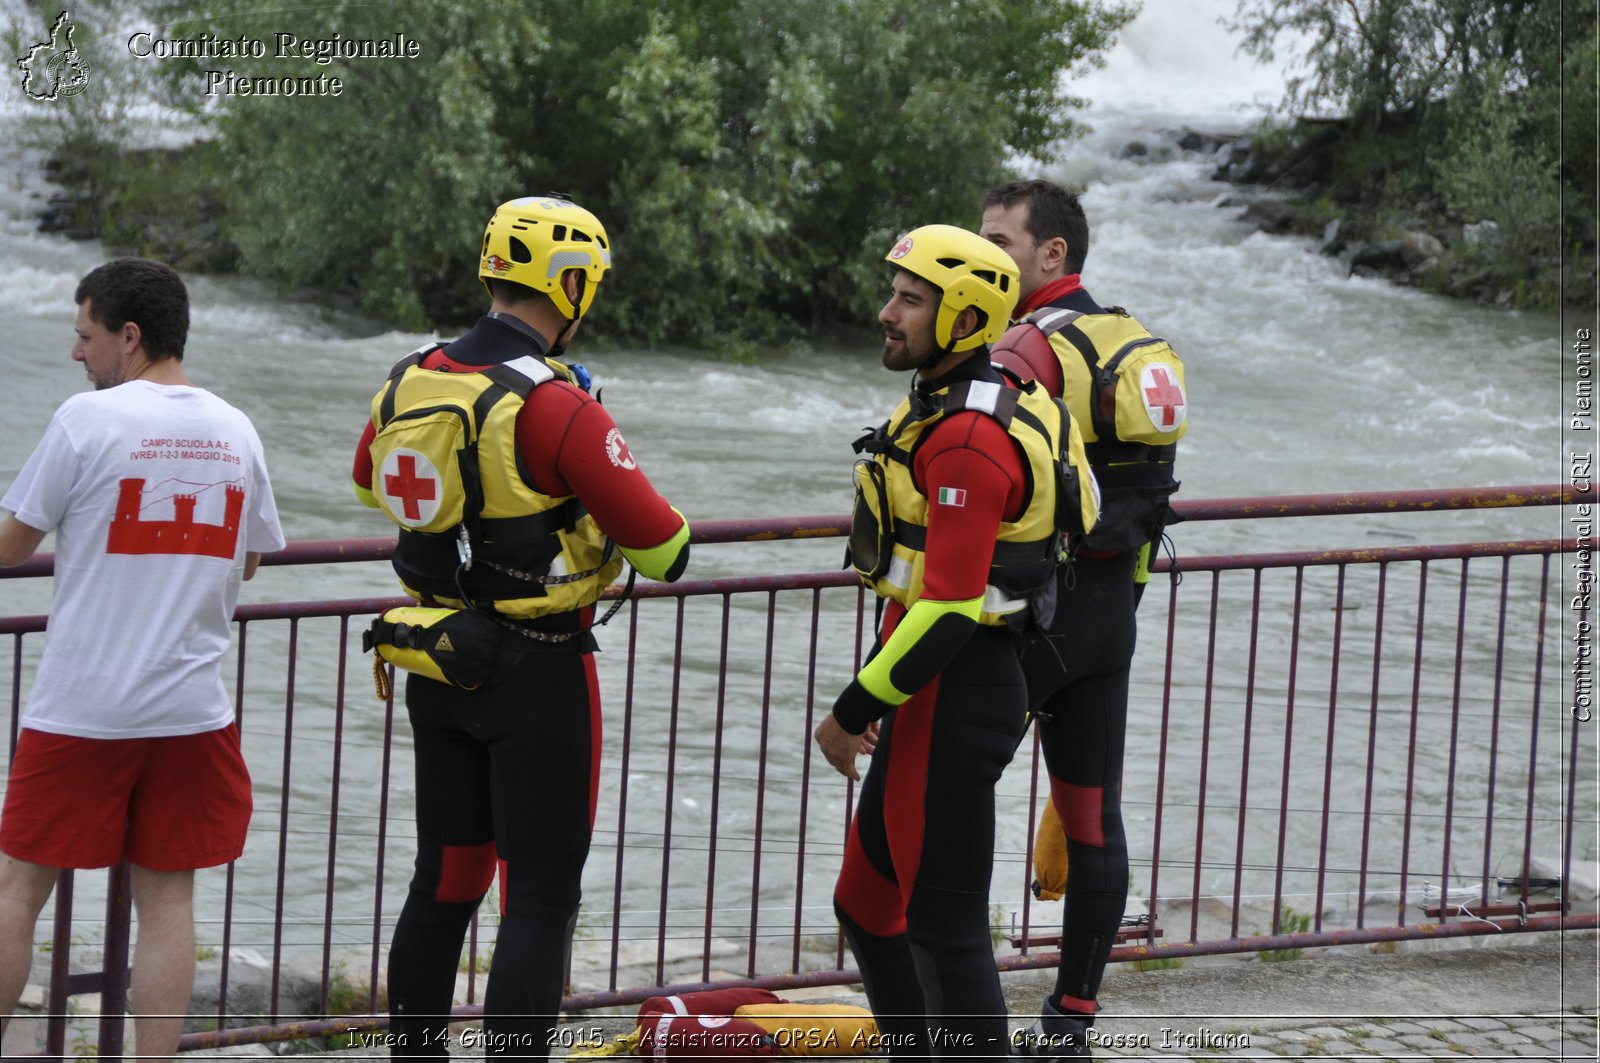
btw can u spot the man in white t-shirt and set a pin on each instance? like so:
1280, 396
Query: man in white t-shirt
157, 491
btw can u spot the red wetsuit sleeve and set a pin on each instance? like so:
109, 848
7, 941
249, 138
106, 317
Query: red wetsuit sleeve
972, 475
361, 469
571, 446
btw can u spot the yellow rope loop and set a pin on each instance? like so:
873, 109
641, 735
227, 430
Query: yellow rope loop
380, 678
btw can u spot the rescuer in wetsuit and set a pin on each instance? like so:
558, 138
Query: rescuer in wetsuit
948, 488
507, 774
1078, 678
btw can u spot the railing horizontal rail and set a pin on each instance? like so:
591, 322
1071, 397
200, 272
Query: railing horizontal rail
379, 548
1332, 505
1368, 555
846, 578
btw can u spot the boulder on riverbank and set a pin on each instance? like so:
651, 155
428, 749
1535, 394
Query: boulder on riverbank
139, 202
1281, 186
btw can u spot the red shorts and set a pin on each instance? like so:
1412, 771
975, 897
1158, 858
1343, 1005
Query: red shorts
165, 804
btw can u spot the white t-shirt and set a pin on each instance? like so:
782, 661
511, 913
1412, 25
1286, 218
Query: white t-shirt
155, 493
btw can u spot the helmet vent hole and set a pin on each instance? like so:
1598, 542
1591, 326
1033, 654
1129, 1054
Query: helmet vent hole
558, 233
985, 275
580, 237
519, 251
951, 263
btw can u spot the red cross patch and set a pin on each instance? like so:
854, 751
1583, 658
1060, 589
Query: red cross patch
1164, 401
408, 484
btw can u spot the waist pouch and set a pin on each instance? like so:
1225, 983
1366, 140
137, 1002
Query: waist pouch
455, 646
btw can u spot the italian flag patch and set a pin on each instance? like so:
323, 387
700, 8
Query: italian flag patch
952, 496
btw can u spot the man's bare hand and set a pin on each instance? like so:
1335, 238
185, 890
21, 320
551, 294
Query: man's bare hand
841, 747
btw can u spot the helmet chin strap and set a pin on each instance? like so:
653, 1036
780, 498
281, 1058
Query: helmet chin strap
937, 352
559, 347
947, 349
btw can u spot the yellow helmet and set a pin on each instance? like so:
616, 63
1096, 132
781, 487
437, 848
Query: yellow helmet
535, 239
968, 271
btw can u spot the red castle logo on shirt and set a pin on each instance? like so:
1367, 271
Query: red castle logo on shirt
132, 534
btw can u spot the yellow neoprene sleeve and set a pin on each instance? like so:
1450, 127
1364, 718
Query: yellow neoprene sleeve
902, 648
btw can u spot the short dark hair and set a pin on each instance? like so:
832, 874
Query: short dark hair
1052, 212
146, 292
510, 292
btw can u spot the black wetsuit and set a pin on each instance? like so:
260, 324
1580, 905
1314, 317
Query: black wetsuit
507, 775
913, 892
1078, 684
926, 813
534, 738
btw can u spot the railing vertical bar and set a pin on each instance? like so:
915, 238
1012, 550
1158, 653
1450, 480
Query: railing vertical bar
1205, 761
333, 813
666, 825
55, 1028
1033, 829
231, 876
1372, 753
1288, 730
384, 779
716, 786
1533, 730
1244, 753
16, 694
1161, 759
1411, 742
1327, 754
849, 785
114, 963
283, 817
472, 958
622, 791
1455, 737
1494, 729
805, 780
761, 778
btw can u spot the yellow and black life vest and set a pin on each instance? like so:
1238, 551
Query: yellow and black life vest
889, 527
473, 530
1126, 390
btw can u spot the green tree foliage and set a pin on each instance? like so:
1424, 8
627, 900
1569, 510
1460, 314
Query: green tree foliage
751, 160
1487, 106
1485, 149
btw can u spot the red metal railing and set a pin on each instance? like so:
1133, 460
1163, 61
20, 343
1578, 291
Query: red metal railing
1324, 748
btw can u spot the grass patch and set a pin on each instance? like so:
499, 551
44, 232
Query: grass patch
1161, 963
1290, 922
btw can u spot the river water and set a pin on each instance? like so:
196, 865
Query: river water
1301, 380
